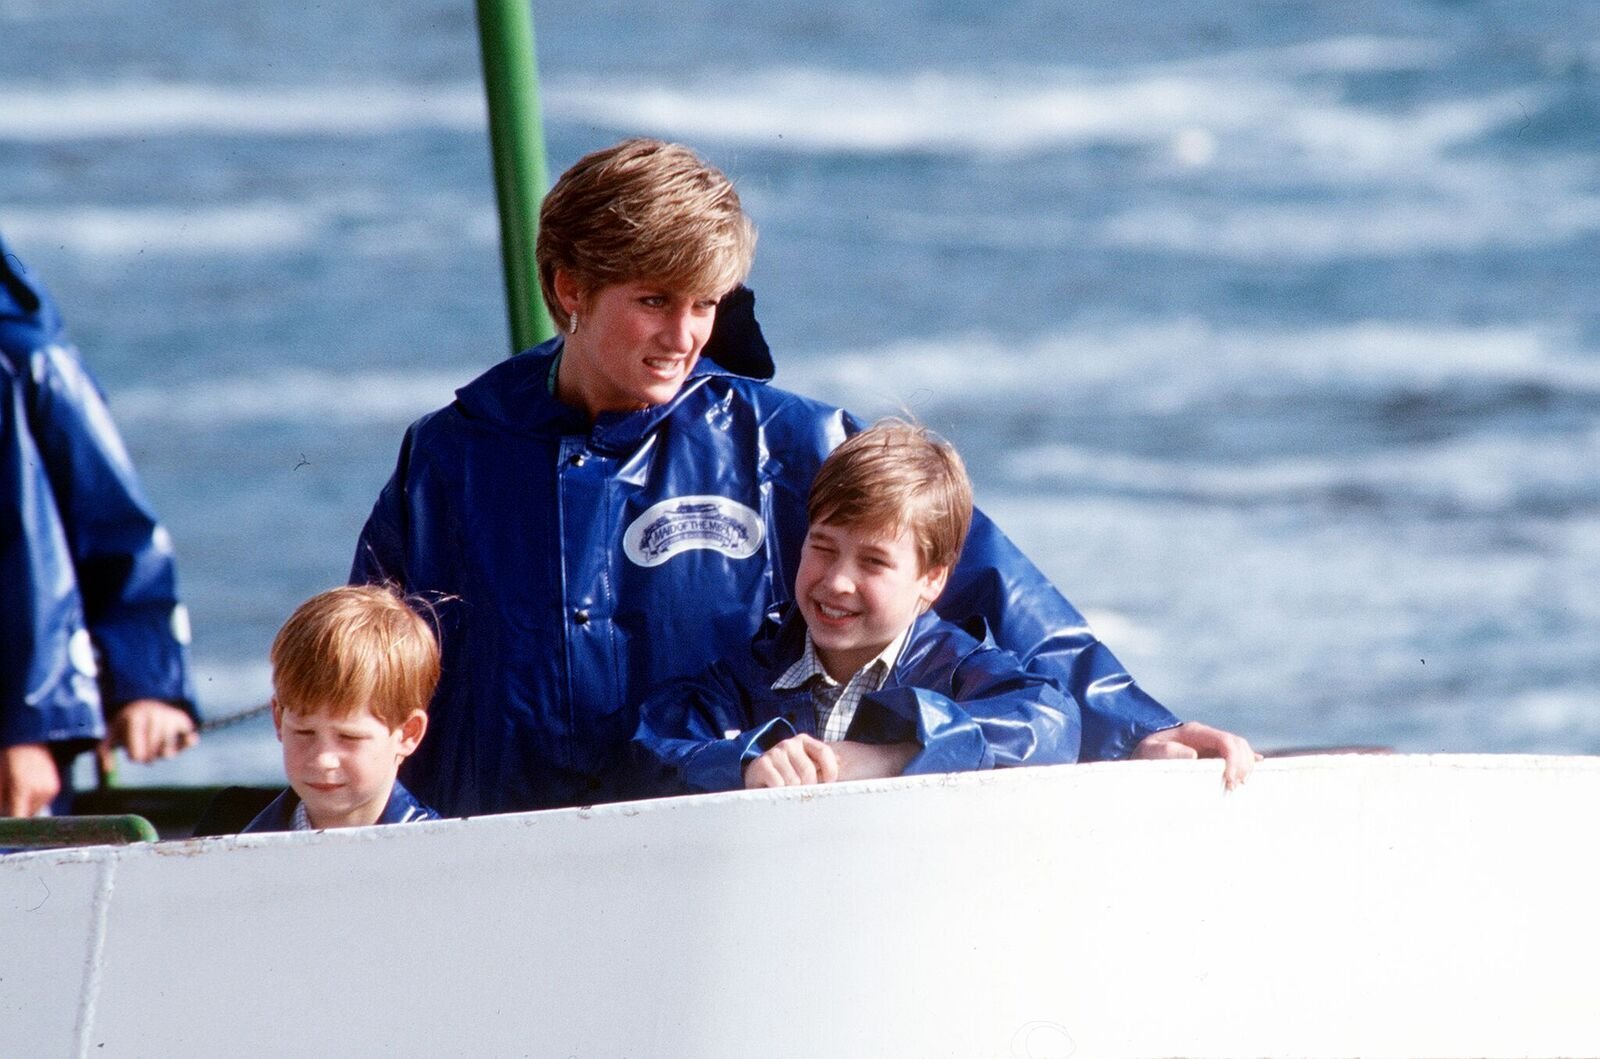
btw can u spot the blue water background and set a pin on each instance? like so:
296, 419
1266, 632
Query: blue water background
1270, 330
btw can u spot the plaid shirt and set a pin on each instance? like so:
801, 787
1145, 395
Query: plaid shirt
836, 703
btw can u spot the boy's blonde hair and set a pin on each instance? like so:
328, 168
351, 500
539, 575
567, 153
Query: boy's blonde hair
643, 210
894, 476
353, 647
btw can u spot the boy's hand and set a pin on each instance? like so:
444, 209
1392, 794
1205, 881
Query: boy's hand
798, 760
873, 761
28, 779
149, 729
1191, 739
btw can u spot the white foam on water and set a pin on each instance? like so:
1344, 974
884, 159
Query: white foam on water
803, 108
1377, 355
1253, 95
1182, 365
360, 222
1556, 710
111, 232
1084, 466
1549, 719
1505, 209
291, 396
1338, 55
1254, 102
48, 114
1489, 474
1171, 364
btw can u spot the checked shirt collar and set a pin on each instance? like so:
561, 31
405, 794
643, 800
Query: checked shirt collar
836, 703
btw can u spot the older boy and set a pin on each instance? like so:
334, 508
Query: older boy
352, 672
860, 678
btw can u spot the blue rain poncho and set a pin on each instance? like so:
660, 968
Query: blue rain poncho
89, 612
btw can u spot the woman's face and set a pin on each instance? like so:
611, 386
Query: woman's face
635, 344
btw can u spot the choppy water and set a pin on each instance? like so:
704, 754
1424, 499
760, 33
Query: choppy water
1272, 332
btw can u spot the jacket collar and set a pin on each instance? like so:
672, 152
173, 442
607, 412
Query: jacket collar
401, 808
782, 640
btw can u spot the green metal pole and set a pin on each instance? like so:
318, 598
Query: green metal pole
516, 139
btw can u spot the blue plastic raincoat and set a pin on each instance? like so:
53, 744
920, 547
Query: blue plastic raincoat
89, 612
966, 703
579, 567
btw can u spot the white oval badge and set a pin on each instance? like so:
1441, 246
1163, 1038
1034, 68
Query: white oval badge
180, 624
80, 653
689, 522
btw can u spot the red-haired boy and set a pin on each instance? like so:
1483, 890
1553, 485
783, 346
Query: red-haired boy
353, 670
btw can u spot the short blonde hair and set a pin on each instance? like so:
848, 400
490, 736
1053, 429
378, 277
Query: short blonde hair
352, 647
643, 210
894, 476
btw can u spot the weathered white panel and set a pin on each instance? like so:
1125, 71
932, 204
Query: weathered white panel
1335, 906
50, 909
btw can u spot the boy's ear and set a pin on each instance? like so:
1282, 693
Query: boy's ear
277, 718
412, 729
933, 582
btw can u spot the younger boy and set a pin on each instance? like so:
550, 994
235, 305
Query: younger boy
352, 672
858, 678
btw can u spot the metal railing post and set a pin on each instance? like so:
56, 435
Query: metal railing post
46, 832
516, 139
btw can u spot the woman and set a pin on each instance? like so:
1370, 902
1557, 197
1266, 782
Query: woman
622, 505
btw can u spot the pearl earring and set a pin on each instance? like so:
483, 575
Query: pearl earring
572, 323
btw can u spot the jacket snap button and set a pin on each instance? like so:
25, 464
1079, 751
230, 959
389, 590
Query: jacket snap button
577, 459
581, 617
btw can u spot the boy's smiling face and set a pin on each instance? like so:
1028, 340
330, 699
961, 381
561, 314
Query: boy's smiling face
344, 767
857, 592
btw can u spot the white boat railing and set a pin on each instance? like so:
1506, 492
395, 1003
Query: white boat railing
1347, 905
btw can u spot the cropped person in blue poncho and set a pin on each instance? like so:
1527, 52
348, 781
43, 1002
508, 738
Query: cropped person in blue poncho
623, 505
93, 639
859, 679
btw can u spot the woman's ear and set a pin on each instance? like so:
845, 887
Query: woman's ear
569, 292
